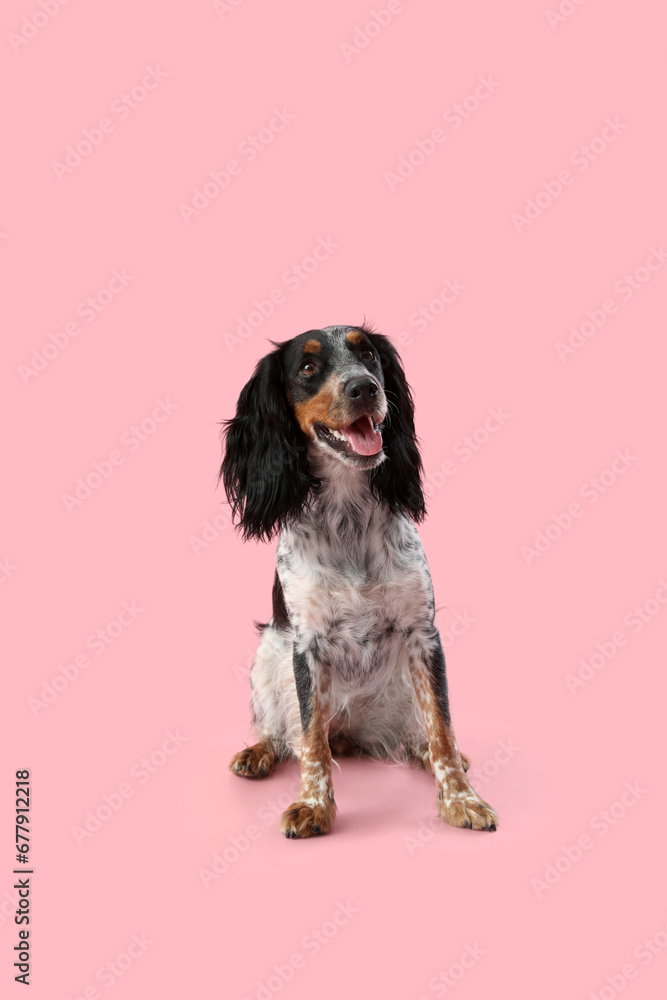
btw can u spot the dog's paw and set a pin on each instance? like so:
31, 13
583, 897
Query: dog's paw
304, 820
465, 761
254, 762
466, 809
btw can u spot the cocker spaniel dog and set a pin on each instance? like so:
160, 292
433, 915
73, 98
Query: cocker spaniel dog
322, 451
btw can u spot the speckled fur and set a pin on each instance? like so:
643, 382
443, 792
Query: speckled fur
360, 616
356, 583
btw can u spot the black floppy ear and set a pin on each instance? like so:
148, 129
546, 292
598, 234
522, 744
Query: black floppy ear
398, 480
265, 469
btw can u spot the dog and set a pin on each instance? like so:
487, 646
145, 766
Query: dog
322, 452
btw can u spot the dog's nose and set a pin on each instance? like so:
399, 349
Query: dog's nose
361, 390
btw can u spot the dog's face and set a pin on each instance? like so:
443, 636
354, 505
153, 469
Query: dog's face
335, 384
338, 392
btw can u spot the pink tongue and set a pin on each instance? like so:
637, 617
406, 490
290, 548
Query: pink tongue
363, 438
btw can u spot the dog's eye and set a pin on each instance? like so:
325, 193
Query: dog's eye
367, 354
308, 368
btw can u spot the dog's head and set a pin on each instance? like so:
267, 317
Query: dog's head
338, 392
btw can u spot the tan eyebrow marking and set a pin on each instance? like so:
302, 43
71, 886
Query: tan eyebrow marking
355, 337
312, 347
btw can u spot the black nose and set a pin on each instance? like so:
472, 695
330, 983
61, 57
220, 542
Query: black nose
361, 390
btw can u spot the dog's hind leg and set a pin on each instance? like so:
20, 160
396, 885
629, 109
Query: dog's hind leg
271, 675
256, 761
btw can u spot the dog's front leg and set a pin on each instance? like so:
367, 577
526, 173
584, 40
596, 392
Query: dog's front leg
458, 802
315, 808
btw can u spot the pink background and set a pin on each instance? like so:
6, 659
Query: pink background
412, 906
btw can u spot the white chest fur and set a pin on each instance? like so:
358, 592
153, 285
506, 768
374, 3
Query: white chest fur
355, 579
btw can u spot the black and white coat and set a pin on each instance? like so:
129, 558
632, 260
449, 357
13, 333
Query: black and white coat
322, 451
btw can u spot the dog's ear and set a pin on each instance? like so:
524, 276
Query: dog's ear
398, 480
265, 468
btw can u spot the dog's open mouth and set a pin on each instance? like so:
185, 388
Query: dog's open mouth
362, 437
